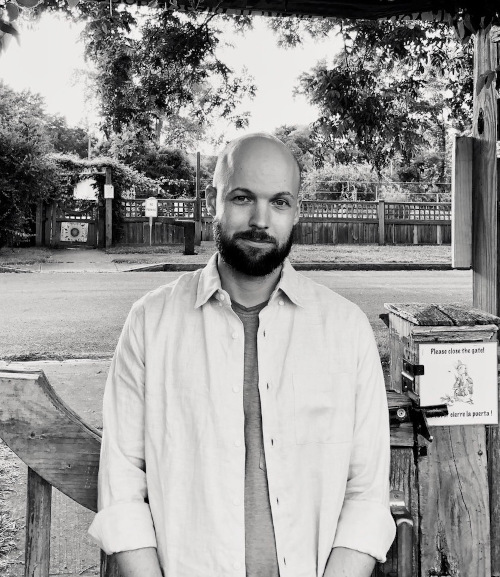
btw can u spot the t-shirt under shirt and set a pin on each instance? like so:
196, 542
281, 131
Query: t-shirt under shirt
260, 544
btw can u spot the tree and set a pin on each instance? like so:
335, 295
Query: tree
388, 88
159, 72
303, 146
26, 172
64, 138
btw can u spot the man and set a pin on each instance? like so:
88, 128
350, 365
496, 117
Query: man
245, 418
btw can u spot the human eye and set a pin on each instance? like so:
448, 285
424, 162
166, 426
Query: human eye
281, 203
241, 199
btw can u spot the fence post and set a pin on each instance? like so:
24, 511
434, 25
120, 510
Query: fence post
40, 209
461, 203
381, 222
197, 206
109, 213
38, 515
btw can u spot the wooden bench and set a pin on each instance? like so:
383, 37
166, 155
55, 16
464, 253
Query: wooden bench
62, 451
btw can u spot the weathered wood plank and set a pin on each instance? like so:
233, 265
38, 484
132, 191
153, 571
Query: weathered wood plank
38, 517
454, 503
48, 436
461, 205
484, 180
437, 314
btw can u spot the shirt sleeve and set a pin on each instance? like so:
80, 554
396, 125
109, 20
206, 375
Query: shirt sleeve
124, 521
365, 522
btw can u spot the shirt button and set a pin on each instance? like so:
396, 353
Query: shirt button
235, 335
237, 565
281, 302
221, 297
220, 304
236, 389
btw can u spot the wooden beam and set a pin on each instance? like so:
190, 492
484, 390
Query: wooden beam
461, 203
38, 517
197, 210
484, 180
485, 243
109, 213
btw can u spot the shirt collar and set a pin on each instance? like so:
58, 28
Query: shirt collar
209, 282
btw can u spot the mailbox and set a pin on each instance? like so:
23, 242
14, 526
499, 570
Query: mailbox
444, 357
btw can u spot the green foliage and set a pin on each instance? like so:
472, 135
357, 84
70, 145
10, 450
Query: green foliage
26, 173
392, 92
72, 170
158, 72
299, 140
66, 139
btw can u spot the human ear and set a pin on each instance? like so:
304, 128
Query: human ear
211, 200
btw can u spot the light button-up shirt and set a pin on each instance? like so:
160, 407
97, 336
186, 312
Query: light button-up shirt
173, 454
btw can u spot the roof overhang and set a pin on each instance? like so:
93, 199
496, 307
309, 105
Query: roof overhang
438, 10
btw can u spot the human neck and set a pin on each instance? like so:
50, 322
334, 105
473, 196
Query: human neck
244, 289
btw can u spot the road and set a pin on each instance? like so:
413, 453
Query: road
81, 315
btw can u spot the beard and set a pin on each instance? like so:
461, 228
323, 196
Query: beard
248, 260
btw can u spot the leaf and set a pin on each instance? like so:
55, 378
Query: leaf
73, 3
12, 11
489, 79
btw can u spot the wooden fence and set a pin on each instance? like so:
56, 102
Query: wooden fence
321, 222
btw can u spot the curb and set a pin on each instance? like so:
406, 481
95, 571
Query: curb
306, 266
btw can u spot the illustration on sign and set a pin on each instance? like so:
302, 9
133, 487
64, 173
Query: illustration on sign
462, 376
74, 231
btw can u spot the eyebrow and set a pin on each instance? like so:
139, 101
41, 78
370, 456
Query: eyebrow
274, 196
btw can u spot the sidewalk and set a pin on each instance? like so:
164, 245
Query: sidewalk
76, 260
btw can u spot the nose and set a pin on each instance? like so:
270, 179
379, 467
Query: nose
259, 216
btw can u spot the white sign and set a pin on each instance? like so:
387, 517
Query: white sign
151, 207
74, 232
109, 191
464, 376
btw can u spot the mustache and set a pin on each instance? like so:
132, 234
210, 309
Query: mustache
255, 235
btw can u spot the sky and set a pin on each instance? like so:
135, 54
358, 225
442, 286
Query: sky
50, 52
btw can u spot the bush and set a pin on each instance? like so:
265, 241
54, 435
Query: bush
27, 174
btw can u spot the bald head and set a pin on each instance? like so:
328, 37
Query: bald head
257, 159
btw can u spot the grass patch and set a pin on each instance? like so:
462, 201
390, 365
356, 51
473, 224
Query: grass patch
340, 253
25, 255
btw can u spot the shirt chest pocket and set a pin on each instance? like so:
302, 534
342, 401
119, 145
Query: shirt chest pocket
324, 407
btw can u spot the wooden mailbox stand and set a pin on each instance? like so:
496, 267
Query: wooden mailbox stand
450, 485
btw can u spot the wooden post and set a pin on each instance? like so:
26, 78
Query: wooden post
109, 213
452, 479
484, 180
381, 221
197, 210
38, 516
53, 226
39, 222
189, 237
461, 203
485, 242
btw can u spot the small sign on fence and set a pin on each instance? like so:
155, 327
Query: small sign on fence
109, 191
151, 207
462, 376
